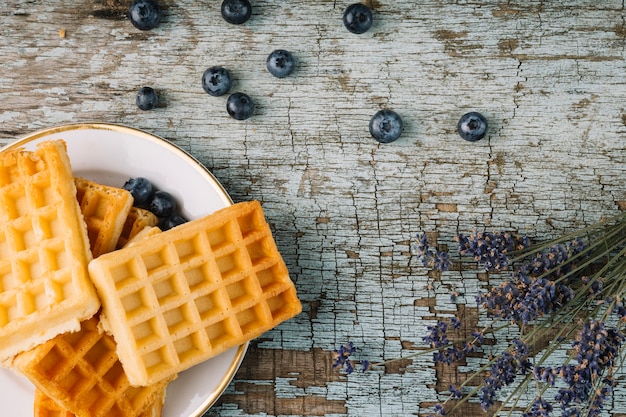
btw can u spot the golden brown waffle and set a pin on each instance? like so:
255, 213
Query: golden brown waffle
179, 297
147, 231
44, 250
138, 219
81, 372
44, 406
105, 210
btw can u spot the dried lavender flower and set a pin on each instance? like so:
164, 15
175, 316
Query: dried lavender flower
431, 258
569, 291
342, 359
491, 249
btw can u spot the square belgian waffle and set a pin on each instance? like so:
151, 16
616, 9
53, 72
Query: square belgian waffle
179, 297
44, 249
81, 373
45, 406
105, 210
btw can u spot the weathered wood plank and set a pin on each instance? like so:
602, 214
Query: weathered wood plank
548, 76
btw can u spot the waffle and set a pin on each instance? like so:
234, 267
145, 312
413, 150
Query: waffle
145, 232
137, 220
105, 210
189, 293
45, 406
81, 372
44, 249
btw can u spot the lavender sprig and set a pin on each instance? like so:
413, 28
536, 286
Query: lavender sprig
491, 249
571, 289
431, 258
342, 359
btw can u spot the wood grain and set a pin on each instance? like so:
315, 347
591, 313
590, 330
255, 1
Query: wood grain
549, 76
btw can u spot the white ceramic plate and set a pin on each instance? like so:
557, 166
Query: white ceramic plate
110, 154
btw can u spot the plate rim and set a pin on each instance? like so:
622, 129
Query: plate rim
160, 141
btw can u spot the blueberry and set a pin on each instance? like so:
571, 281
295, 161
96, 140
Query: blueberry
140, 188
144, 14
280, 63
240, 106
217, 81
472, 126
162, 204
236, 11
386, 126
171, 221
357, 18
147, 98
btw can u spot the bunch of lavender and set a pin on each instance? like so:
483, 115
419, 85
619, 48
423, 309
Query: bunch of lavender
570, 290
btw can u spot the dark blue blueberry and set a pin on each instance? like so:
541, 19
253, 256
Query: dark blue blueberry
162, 204
171, 221
240, 106
386, 126
472, 126
147, 98
140, 188
236, 11
280, 63
217, 81
144, 14
357, 18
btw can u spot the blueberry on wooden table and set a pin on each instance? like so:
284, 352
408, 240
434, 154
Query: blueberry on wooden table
236, 11
144, 14
357, 18
217, 81
472, 126
240, 106
140, 188
386, 126
147, 98
280, 63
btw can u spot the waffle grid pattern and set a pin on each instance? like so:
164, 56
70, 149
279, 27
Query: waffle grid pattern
43, 249
81, 371
138, 219
44, 406
105, 210
40, 263
200, 293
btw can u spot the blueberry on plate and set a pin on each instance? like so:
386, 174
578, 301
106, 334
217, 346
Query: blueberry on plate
357, 18
280, 63
162, 204
147, 98
144, 14
472, 126
236, 11
386, 126
217, 81
171, 221
240, 106
140, 188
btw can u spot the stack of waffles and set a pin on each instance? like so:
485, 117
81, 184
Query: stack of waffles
100, 309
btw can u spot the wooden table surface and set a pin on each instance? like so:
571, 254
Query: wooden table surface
549, 77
